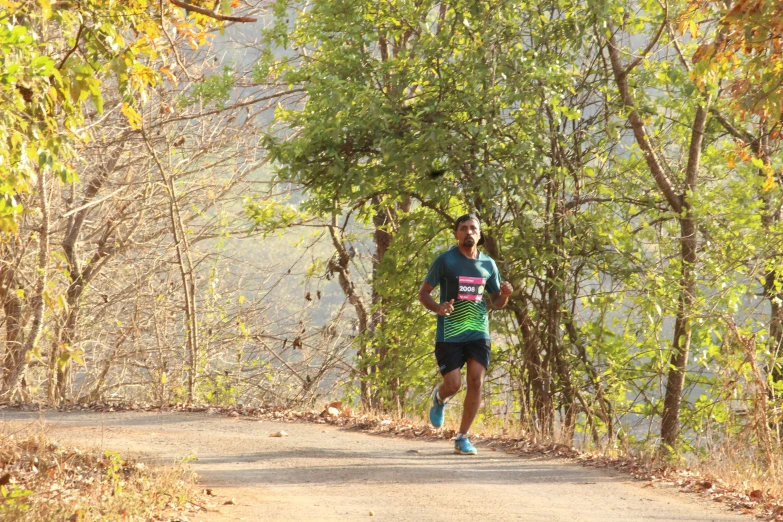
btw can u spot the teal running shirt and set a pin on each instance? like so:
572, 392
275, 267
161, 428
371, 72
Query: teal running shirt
466, 281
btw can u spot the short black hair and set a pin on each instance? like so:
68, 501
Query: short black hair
468, 217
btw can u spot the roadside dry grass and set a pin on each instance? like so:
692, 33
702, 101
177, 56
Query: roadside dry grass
43, 481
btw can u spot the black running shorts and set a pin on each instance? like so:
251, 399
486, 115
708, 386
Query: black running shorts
452, 356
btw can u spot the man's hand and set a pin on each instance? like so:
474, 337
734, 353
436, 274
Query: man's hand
506, 289
446, 308
500, 299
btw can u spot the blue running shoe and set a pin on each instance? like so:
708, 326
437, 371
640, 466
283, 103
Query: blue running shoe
463, 446
436, 410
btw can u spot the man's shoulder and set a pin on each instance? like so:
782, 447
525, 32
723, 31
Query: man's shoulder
485, 257
446, 254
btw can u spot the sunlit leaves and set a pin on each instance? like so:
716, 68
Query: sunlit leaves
57, 63
272, 216
745, 48
134, 118
213, 89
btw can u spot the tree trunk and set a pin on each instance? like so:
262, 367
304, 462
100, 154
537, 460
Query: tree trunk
79, 276
771, 215
340, 265
66, 339
14, 333
682, 337
679, 204
537, 411
682, 327
556, 300
604, 403
187, 274
14, 321
775, 327
381, 219
20, 360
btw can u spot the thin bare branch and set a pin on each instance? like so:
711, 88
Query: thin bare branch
652, 43
212, 14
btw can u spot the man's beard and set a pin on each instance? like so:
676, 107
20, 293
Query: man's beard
469, 241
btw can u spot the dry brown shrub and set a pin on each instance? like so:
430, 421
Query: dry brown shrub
43, 481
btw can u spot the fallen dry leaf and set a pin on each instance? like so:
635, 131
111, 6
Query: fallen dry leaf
279, 434
756, 494
230, 502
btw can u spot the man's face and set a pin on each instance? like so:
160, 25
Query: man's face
468, 233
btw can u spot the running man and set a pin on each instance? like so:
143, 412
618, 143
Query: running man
465, 275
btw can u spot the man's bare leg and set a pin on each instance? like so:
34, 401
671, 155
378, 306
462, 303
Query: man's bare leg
470, 408
451, 384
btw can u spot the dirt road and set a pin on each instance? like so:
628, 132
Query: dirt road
319, 473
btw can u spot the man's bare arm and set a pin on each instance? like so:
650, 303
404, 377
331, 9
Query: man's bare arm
425, 298
500, 299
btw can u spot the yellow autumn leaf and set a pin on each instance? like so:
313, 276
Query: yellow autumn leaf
46, 8
731, 162
142, 75
165, 70
769, 184
47, 297
134, 118
62, 303
693, 28
682, 23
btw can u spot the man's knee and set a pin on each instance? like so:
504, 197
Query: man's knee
475, 382
475, 376
451, 384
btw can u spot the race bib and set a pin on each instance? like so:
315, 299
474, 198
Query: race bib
471, 288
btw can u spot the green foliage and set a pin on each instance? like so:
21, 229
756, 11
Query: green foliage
15, 500
216, 88
413, 112
271, 215
218, 389
394, 94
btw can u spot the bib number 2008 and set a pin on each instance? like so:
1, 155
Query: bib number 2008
471, 288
